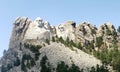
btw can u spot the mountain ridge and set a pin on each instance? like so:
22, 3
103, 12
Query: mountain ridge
38, 39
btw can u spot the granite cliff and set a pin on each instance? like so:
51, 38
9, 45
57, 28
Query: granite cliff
36, 46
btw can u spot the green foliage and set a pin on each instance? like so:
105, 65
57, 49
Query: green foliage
34, 49
61, 40
90, 46
62, 67
30, 62
86, 50
26, 45
3, 68
115, 46
67, 40
47, 41
74, 68
56, 39
116, 62
53, 39
28, 65
103, 56
93, 69
9, 66
68, 43
114, 33
108, 32
23, 67
43, 64
93, 31
78, 45
37, 55
20, 46
4, 52
99, 41
111, 57
98, 68
6, 68
107, 57
118, 29
17, 62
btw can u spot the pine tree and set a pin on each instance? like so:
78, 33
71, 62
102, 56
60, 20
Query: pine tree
118, 29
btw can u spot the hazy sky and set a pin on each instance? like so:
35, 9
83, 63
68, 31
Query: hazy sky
56, 11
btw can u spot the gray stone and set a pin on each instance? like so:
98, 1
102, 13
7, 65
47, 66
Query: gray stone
36, 32
66, 30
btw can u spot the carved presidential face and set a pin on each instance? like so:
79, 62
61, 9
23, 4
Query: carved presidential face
46, 25
39, 22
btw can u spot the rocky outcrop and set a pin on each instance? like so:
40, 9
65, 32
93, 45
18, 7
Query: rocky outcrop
38, 29
108, 33
85, 32
19, 30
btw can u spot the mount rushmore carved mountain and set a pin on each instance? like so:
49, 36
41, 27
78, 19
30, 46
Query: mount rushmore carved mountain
36, 46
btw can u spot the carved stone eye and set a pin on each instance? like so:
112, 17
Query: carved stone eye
17, 24
61, 29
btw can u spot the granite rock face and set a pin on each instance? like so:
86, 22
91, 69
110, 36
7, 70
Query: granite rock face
85, 32
21, 25
108, 33
25, 28
66, 29
40, 32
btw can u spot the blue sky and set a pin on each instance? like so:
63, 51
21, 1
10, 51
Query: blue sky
56, 11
